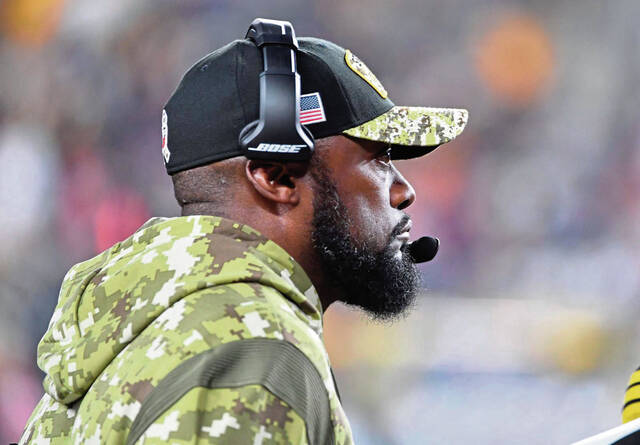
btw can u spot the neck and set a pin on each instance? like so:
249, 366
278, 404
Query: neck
295, 241
203, 208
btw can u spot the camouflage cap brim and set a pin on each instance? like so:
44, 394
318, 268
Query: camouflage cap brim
413, 131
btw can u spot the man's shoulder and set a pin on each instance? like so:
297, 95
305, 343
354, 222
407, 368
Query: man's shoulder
234, 317
214, 316
235, 311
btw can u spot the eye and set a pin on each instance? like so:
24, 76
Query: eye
384, 156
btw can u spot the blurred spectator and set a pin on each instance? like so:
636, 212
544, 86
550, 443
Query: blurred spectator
536, 205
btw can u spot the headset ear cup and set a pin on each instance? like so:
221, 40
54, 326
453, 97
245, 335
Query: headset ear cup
245, 132
278, 134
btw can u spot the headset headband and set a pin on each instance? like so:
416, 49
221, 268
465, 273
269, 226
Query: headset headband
277, 134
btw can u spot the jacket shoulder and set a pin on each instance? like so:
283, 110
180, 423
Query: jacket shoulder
247, 414
199, 322
272, 371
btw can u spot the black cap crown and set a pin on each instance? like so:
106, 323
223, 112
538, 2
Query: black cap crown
220, 95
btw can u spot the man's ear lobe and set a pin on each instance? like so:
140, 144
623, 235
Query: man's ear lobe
275, 181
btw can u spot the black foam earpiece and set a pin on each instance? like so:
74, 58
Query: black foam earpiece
424, 249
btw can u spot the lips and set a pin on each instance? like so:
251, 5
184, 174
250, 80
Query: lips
404, 234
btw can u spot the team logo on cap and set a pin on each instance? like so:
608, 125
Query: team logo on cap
362, 70
165, 137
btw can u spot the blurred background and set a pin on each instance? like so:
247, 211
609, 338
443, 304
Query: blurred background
528, 329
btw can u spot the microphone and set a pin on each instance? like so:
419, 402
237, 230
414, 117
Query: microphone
424, 249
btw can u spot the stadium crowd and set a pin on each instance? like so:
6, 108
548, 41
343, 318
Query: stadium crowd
536, 205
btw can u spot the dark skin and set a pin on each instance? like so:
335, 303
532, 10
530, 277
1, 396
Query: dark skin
277, 200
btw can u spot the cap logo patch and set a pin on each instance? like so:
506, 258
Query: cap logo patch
358, 67
165, 137
311, 109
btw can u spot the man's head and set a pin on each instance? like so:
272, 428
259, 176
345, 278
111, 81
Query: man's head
339, 214
360, 231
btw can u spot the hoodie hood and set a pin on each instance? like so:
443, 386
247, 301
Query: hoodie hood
107, 301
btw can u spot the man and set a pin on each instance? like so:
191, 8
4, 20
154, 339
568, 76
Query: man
207, 328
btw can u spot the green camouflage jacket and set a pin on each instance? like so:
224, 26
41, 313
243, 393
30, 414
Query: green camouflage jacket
193, 330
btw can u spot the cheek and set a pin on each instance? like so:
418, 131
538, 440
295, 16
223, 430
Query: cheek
371, 215
365, 193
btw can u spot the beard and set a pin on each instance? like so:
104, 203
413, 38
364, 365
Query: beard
380, 282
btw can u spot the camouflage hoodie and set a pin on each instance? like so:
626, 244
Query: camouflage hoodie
193, 330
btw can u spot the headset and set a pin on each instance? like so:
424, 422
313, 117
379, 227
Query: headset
277, 134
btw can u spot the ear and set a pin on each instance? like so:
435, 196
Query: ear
276, 181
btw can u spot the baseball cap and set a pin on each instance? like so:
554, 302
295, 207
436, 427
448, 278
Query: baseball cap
220, 95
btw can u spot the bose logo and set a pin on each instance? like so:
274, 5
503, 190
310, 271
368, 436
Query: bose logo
278, 148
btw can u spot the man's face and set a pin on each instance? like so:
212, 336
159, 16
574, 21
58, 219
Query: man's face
359, 231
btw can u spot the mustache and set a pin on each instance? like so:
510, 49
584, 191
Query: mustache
398, 229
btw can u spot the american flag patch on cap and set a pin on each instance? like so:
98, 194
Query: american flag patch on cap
311, 110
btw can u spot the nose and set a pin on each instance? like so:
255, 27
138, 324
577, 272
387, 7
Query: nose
402, 193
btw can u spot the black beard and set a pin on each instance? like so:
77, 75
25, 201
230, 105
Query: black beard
377, 281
